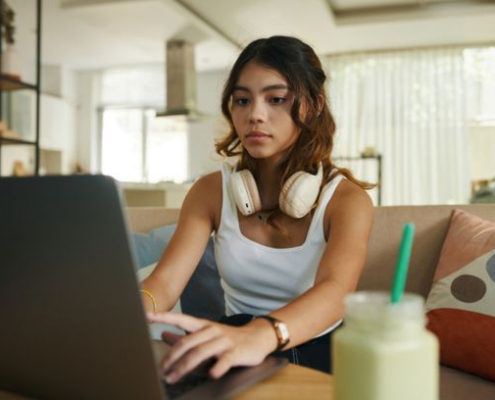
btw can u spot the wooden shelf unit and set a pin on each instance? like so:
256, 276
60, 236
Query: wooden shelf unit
9, 83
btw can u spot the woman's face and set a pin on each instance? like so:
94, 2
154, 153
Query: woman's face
261, 112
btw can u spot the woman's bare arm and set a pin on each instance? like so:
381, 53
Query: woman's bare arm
348, 221
198, 217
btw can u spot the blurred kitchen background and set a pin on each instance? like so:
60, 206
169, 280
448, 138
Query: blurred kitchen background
131, 88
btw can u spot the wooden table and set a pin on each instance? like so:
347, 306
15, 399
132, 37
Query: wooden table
292, 383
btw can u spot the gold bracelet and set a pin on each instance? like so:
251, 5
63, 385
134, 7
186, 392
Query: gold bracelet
147, 293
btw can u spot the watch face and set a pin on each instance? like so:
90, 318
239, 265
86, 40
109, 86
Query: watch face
284, 333
283, 336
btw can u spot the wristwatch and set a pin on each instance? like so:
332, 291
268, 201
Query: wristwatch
283, 336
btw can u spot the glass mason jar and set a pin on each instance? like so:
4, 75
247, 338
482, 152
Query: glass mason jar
383, 351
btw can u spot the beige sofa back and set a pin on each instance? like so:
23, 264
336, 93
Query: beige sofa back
144, 219
431, 224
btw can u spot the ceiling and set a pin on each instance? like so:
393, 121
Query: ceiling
88, 34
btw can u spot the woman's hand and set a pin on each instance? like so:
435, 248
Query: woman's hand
229, 346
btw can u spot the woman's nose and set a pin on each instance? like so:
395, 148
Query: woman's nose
257, 113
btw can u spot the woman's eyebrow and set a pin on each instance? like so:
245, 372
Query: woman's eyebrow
265, 89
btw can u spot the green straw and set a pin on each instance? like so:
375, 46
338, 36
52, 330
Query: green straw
402, 263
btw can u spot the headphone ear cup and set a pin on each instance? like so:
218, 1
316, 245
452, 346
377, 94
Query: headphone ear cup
299, 193
243, 188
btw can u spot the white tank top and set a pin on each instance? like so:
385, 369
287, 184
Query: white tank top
259, 279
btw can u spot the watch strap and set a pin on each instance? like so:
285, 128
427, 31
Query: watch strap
281, 331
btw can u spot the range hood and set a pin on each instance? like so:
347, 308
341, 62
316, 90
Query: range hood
181, 82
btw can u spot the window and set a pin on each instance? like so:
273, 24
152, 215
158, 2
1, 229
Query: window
135, 145
166, 150
138, 147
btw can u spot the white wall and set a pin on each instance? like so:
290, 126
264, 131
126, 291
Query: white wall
88, 84
202, 135
57, 130
58, 114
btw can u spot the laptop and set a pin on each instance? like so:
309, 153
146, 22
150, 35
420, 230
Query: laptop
72, 324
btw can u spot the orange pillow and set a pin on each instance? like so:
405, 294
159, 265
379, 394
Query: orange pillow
461, 303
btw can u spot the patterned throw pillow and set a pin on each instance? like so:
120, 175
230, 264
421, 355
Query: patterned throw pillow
461, 304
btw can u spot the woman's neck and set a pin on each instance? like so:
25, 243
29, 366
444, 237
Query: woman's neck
268, 184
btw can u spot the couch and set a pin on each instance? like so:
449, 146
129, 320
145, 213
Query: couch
432, 223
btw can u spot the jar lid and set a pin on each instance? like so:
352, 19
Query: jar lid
373, 304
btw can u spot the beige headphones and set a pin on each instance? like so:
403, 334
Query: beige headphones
296, 198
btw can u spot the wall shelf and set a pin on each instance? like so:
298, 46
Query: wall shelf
9, 84
7, 141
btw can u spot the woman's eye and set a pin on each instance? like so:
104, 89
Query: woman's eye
278, 100
241, 101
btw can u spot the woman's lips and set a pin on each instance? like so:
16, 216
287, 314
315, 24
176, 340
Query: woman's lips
257, 136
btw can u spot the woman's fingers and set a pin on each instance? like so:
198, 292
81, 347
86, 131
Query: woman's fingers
222, 366
170, 337
195, 357
228, 346
182, 321
189, 342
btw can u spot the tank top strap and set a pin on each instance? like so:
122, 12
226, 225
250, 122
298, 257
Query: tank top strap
325, 197
229, 210
328, 190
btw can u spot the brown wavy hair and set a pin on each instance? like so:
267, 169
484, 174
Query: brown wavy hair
299, 65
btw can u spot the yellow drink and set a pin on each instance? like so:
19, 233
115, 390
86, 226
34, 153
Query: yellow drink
384, 352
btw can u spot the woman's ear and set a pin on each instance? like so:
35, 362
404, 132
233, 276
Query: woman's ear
305, 115
320, 104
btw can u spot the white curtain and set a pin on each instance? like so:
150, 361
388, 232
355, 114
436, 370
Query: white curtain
480, 70
410, 107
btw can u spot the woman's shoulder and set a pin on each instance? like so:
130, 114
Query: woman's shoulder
350, 196
206, 195
210, 179
208, 185
350, 204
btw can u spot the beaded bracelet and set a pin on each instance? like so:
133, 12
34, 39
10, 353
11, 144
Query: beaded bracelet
147, 293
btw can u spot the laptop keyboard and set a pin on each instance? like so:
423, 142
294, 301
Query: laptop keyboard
192, 380
186, 384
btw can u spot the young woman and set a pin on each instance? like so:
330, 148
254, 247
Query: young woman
291, 229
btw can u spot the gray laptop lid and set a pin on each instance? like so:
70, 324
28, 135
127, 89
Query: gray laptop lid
71, 322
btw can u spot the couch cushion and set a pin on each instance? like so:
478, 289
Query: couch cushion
431, 226
203, 295
149, 246
461, 303
457, 385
